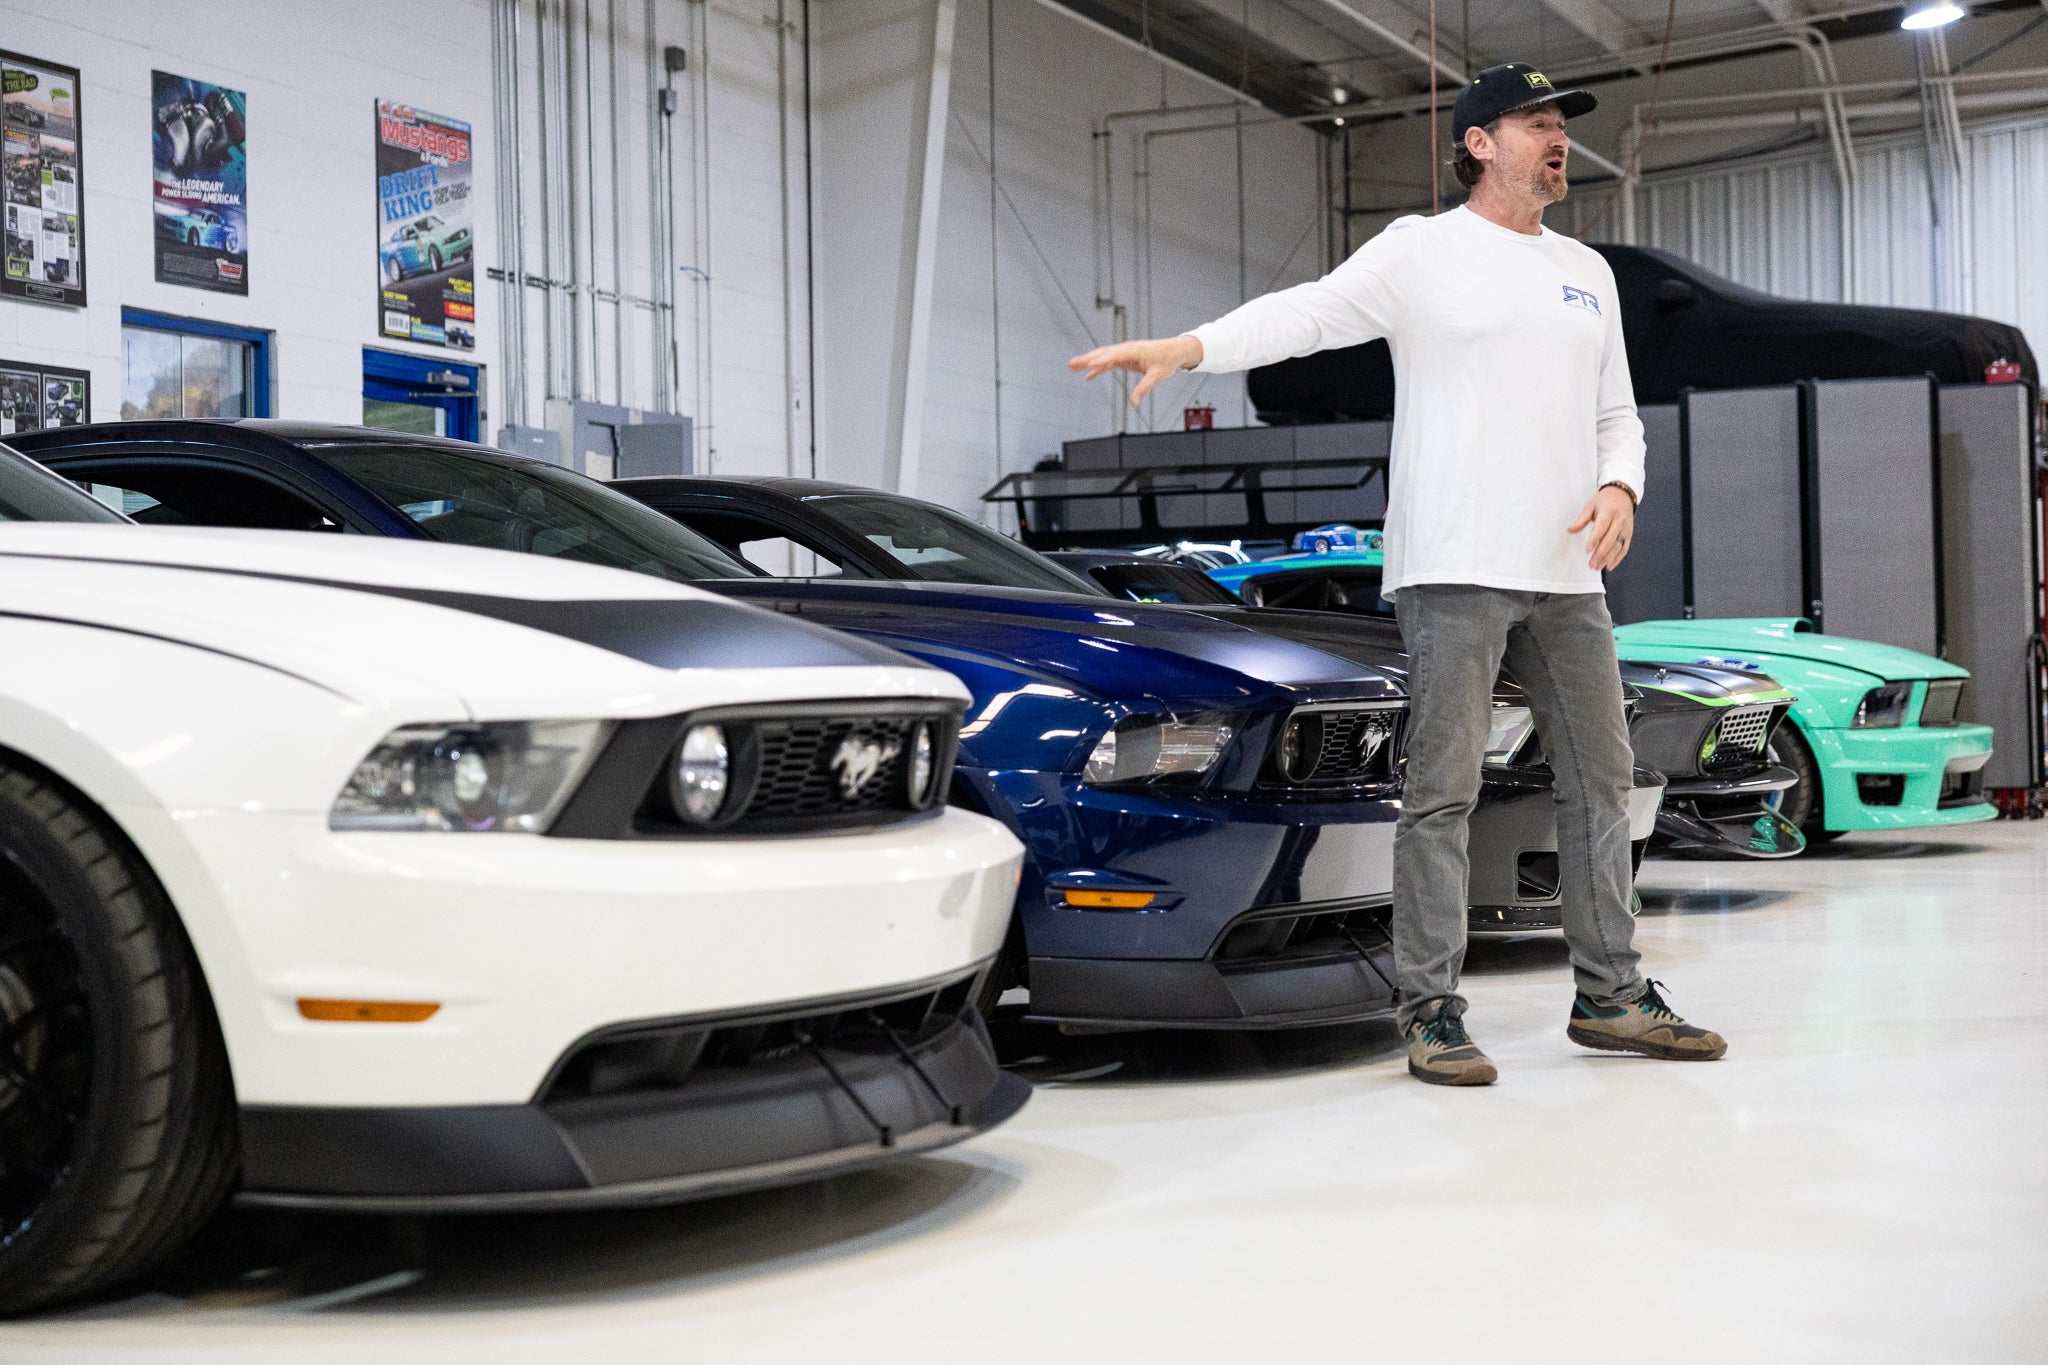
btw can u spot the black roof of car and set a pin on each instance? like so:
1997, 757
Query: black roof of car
774, 483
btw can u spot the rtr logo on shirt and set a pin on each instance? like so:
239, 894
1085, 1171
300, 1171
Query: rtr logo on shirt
1579, 298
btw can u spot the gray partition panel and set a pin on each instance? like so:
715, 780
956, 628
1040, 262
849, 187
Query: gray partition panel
1742, 481
1871, 485
1355, 440
1989, 517
1091, 514
1650, 584
1167, 448
1238, 446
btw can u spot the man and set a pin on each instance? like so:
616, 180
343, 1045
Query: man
1517, 466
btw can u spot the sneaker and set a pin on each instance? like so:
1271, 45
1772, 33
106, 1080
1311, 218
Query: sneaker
1442, 1053
1648, 1027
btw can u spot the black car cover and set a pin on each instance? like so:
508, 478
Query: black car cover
1688, 328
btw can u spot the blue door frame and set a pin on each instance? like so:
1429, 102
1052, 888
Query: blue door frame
394, 378
258, 343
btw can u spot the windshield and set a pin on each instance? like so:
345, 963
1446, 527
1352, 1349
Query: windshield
944, 547
1174, 583
534, 508
29, 492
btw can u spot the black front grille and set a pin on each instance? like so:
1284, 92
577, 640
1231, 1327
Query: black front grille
795, 768
641, 1058
1962, 788
1296, 933
815, 765
1337, 747
1944, 702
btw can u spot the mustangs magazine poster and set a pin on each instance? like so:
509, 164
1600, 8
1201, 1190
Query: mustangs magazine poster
426, 251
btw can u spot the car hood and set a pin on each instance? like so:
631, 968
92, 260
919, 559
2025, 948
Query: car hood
411, 626
1115, 650
1738, 641
1671, 685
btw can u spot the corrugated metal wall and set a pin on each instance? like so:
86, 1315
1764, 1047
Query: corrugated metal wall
1775, 225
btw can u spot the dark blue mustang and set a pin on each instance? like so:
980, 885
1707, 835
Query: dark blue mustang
1208, 806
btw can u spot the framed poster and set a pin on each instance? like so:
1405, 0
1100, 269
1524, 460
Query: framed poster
41, 182
201, 184
36, 396
426, 243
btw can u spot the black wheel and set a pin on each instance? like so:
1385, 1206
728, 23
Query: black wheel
117, 1131
192, 237
433, 258
1801, 803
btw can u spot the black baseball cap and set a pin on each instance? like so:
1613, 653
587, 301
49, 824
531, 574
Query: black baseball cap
1510, 86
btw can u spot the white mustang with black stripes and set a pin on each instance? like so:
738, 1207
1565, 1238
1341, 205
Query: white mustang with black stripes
341, 872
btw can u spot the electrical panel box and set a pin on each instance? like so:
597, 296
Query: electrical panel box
610, 442
535, 443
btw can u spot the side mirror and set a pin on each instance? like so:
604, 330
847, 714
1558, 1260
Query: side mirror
1673, 294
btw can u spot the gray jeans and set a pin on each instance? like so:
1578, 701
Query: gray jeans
1560, 647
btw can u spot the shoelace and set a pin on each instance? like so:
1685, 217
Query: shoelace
1653, 1003
1447, 1030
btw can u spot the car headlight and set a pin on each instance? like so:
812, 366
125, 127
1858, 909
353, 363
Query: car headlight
1142, 748
1507, 730
500, 776
1883, 707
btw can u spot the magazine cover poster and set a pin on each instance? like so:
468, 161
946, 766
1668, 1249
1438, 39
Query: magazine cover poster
426, 249
202, 193
33, 397
40, 181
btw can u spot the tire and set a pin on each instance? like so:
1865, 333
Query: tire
433, 259
192, 237
1801, 803
117, 1119
393, 271
1322, 546
1010, 969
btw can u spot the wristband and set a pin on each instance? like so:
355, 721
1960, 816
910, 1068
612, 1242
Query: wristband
1633, 500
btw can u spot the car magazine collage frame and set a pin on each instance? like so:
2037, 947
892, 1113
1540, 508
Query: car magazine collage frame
43, 194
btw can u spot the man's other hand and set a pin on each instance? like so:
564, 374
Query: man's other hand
1151, 361
1612, 515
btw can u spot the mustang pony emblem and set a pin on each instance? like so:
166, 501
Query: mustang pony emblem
858, 760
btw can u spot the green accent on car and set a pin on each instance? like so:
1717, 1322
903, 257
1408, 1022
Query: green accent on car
1762, 694
1829, 675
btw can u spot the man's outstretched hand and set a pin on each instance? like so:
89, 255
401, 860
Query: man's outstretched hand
1612, 515
1152, 361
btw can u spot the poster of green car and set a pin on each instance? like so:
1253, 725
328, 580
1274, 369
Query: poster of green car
44, 245
426, 248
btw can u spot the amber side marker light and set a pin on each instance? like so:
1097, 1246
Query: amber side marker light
1110, 900
368, 1011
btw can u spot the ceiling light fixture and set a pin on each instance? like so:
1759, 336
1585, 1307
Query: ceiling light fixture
1937, 14
1340, 94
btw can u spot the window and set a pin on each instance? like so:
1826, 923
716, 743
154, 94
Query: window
205, 494
503, 503
186, 368
28, 492
1173, 583
944, 547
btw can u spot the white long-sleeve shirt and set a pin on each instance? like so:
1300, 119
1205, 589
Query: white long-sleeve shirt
1512, 401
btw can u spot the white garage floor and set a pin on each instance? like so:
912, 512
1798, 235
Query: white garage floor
1865, 1178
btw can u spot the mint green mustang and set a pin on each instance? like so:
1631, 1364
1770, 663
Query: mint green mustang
1874, 736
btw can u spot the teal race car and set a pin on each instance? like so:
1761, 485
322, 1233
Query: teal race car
1875, 734
424, 246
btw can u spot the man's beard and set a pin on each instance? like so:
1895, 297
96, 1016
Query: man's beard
1542, 184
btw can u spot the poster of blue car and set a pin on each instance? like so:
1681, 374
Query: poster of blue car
426, 252
201, 196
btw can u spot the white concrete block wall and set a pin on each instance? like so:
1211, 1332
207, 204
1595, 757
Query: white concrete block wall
1055, 79
312, 74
